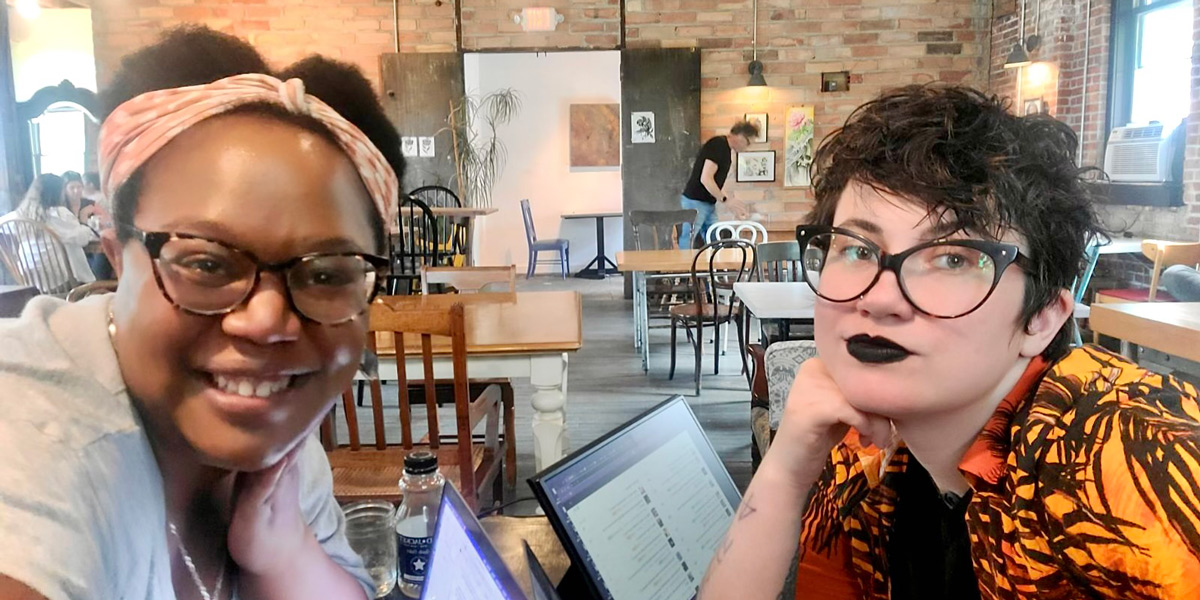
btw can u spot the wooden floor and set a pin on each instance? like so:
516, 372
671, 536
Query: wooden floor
606, 385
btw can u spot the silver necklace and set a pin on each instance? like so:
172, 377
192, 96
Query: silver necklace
191, 567
187, 557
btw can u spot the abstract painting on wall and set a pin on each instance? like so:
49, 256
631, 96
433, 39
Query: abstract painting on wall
641, 127
798, 146
595, 135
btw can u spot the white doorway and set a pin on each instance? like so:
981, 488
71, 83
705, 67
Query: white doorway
538, 149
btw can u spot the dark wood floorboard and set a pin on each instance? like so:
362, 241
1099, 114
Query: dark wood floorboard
606, 385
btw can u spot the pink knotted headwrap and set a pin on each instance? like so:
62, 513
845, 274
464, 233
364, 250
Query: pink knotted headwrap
143, 125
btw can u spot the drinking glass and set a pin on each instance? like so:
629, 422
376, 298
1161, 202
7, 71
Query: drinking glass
371, 531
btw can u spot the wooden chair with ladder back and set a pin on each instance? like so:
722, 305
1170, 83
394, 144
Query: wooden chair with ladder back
472, 463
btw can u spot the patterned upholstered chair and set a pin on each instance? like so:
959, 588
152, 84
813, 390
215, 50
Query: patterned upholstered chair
775, 370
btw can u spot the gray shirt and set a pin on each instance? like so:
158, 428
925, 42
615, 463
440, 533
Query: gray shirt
82, 513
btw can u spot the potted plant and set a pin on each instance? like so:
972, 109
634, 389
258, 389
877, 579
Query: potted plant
479, 154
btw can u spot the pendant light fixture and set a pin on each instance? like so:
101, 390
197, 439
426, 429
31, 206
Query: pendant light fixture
755, 67
1019, 57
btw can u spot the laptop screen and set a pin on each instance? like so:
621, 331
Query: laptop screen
463, 564
644, 508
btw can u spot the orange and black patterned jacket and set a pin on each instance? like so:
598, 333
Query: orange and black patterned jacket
1086, 484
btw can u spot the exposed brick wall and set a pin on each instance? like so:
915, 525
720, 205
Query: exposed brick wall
356, 31
1065, 44
1058, 75
1191, 164
882, 43
488, 25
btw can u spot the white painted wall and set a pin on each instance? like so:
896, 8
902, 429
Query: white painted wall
57, 45
539, 154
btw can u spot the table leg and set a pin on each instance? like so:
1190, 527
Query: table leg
599, 271
548, 374
637, 314
600, 258
470, 225
644, 310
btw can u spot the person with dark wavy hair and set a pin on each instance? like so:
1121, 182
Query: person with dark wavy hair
44, 202
947, 442
159, 442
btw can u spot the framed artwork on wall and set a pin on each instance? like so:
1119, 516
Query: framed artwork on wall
759, 120
756, 166
1035, 106
798, 146
595, 135
641, 127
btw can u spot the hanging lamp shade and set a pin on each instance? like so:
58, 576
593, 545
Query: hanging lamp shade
756, 74
1018, 57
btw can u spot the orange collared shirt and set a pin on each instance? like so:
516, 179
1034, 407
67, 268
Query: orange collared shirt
1085, 484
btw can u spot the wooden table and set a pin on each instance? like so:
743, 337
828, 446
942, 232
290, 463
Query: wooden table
601, 260
1169, 327
13, 299
642, 262
463, 215
507, 535
517, 335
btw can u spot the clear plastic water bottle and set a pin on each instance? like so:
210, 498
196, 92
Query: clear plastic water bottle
416, 519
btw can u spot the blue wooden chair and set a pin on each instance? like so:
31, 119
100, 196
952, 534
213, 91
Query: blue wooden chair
535, 245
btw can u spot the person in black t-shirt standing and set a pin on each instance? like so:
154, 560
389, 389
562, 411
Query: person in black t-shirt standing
706, 185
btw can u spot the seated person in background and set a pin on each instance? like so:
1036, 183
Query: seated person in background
948, 443
91, 190
1182, 282
75, 198
44, 203
89, 213
157, 442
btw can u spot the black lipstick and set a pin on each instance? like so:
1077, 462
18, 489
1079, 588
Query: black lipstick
875, 350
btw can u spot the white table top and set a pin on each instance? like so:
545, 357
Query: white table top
593, 215
1122, 246
775, 300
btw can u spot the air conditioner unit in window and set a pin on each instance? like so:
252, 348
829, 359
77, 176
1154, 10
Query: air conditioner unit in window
1141, 153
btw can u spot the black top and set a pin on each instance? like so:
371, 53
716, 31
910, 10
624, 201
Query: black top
83, 203
929, 550
716, 150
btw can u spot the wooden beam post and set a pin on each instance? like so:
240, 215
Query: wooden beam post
11, 183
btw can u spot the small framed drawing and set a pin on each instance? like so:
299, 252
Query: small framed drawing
641, 127
408, 146
835, 81
758, 120
756, 166
425, 147
1035, 106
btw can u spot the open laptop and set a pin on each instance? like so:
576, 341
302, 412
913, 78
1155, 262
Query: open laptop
642, 510
464, 565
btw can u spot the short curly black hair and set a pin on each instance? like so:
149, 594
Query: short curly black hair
194, 55
965, 156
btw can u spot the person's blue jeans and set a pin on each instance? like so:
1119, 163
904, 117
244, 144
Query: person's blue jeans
706, 216
1182, 282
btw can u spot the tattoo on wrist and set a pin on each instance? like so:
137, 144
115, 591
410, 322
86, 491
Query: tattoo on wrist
745, 510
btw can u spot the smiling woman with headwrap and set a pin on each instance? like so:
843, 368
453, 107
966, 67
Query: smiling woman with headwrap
157, 441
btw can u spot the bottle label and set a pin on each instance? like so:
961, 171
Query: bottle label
414, 558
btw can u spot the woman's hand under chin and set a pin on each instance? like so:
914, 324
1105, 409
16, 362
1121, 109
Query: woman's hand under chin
267, 528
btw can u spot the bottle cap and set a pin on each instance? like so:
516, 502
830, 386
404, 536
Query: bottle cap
420, 462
